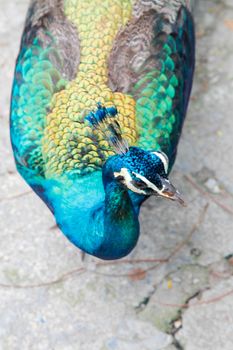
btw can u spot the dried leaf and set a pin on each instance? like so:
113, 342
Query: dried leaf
137, 274
229, 24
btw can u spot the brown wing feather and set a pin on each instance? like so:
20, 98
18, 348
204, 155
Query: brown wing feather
131, 51
46, 21
153, 60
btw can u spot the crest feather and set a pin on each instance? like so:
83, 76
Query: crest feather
104, 120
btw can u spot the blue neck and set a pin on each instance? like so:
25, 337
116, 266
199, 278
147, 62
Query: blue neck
101, 220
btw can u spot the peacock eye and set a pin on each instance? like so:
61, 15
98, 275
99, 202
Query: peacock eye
120, 178
140, 184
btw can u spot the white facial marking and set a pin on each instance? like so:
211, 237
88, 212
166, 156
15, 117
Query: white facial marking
153, 186
164, 159
128, 181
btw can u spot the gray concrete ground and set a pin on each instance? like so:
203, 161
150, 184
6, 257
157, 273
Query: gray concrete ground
50, 300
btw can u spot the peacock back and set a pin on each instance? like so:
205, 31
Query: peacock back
134, 55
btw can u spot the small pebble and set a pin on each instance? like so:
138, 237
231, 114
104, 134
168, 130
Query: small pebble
178, 324
213, 186
196, 280
195, 252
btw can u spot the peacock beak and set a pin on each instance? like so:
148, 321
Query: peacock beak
170, 192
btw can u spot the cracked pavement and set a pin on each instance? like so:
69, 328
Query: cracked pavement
175, 291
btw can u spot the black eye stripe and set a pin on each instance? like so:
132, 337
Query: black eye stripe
120, 178
138, 184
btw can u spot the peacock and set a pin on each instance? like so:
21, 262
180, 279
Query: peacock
99, 97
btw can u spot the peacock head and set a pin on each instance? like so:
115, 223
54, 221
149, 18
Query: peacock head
145, 173
140, 171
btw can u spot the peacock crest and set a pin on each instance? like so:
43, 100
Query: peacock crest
104, 119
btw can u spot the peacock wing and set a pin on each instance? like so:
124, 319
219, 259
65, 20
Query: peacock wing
153, 60
47, 61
